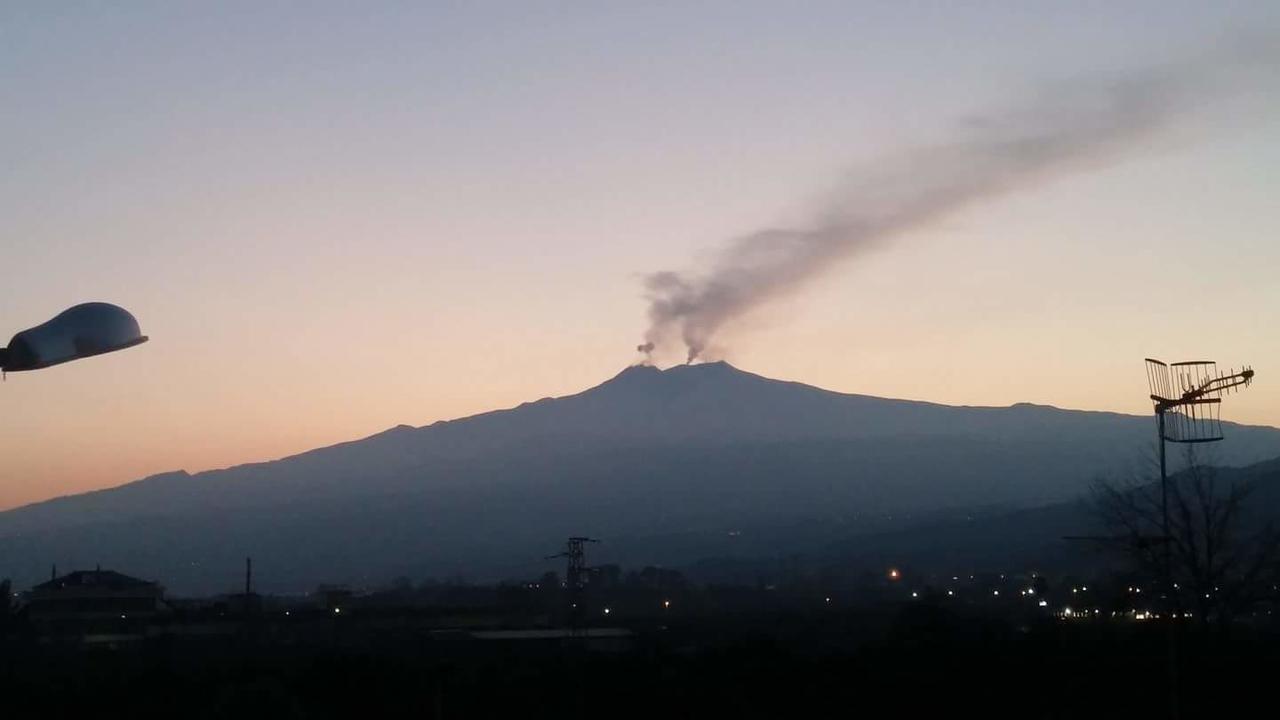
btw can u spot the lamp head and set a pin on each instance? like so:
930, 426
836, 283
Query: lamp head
78, 332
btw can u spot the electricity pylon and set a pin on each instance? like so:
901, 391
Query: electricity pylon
575, 577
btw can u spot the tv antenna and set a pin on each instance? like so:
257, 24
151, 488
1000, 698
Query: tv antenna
1187, 398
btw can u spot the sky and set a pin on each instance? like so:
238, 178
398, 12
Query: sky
332, 218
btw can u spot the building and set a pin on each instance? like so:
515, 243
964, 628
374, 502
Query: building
94, 603
333, 598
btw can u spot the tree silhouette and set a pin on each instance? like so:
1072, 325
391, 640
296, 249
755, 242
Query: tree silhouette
1224, 556
7, 609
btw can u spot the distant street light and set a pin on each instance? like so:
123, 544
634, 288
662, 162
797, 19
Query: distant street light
78, 332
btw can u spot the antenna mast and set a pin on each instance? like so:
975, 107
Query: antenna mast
1187, 398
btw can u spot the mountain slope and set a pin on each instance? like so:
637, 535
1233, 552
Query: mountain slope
693, 452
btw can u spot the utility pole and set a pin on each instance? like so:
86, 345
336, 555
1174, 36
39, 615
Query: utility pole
1187, 397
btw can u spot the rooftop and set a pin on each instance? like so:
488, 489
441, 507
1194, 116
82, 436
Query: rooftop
104, 579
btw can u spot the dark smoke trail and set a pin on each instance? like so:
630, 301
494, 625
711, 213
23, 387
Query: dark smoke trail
1002, 152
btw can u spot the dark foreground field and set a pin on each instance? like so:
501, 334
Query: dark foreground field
914, 661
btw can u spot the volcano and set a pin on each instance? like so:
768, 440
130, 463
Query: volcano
667, 466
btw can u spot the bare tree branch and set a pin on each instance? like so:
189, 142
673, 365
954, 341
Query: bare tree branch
1223, 562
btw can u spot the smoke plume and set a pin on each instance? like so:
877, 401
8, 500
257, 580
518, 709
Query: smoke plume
1056, 131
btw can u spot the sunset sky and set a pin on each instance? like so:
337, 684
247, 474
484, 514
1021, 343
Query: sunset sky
332, 218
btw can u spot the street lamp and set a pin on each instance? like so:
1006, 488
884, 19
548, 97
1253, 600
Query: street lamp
77, 332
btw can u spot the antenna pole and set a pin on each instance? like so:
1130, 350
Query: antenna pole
1172, 635
1164, 504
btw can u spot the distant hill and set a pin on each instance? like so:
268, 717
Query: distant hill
977, 540
1026, 539
667, 466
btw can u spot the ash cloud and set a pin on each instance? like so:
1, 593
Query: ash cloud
1055, 131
